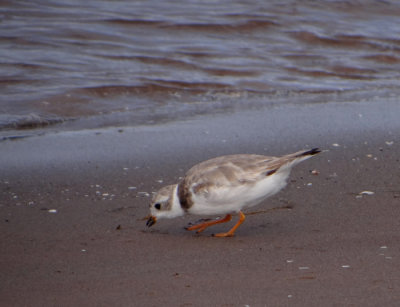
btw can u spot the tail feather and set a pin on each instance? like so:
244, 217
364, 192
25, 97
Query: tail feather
311, 152
289, 161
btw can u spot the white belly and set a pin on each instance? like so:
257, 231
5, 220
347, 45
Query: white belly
228, 200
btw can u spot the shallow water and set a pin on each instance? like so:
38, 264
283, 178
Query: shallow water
68, 65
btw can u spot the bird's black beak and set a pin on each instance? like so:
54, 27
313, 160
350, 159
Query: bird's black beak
151, 221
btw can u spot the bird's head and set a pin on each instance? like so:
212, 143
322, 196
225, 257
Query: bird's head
162, 205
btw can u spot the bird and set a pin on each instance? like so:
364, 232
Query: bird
225, 185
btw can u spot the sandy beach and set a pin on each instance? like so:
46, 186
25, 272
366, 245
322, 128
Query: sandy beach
72, 206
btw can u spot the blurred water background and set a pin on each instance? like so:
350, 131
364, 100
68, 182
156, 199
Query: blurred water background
67, 65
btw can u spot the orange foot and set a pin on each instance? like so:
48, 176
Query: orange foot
231, 232
200, 227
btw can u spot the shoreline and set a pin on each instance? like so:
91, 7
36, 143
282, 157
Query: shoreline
333, 245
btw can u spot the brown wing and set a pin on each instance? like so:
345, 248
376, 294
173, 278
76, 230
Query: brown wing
229, 171
233, 170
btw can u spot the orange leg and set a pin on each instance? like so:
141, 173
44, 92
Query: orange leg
231, 232
200, 227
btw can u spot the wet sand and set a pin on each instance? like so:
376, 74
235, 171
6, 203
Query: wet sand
72, 207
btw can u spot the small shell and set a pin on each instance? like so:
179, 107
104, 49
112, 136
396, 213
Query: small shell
366, 193
315, 172
143, 194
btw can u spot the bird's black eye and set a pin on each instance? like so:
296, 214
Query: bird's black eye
157, 206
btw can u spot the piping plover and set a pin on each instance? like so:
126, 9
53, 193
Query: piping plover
225, 185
